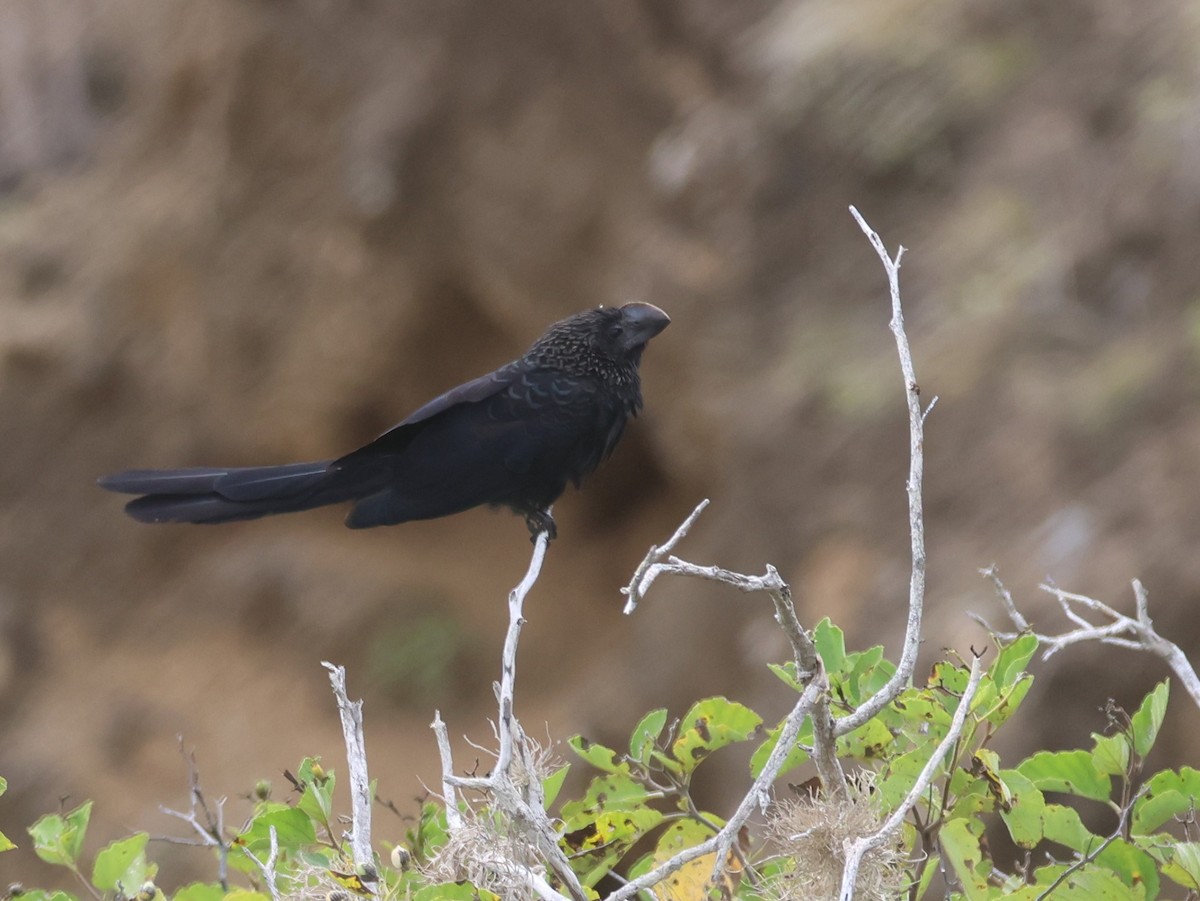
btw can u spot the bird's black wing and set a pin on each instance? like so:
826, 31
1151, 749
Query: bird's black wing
399, 436
513, 438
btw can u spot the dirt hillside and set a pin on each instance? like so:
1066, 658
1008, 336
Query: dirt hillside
245, 231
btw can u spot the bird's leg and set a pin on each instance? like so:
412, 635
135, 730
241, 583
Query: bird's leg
540, 521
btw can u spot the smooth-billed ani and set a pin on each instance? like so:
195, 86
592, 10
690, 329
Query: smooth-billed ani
512, 438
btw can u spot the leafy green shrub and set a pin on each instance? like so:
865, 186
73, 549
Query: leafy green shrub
637, 810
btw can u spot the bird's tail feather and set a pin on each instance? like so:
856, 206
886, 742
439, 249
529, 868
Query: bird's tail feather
211, 495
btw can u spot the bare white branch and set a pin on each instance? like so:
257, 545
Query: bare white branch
212, 830
815, 698
808, 662
1006, 598
1141, 602
650, 567
858, 847
756, 798
509, 785
929, 409
206, 838
507, 724
267, 867
524, 876
360, 784
916, 517
449, 797
1135, 633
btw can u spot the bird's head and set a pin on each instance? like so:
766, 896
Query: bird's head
612, 335
626, 330
606, 338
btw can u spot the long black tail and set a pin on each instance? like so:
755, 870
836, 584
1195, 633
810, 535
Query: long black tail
225, 495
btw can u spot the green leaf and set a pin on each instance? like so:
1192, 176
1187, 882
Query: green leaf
999, 711
831, 645
960, 845
666, 761
1111, 754
1169, 794
430, 832
5, 844
614, 791
929, 869
58, 839
870, 741
988, 762
244, 894
986, 696
1012, 659
869, 676
454, 891
1072, 772
317, 798
122, 865
919, 713
985, 764
1025, 813
787, 674
77, 823
693, 877
1133, 865
600, 828
795, 757
900, 772
553, 784
293, 831
679, 835
949, 677
1089, 883
607, 839
292, 828
199, 891
623, 827
1181, 864
1062, 825
711, 724
646, 733
599, 756
972, 796
1149, 718
863, 678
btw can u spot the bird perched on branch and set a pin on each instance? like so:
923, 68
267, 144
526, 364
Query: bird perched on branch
513, 438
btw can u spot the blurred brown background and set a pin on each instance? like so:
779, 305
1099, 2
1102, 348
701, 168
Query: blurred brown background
250, 232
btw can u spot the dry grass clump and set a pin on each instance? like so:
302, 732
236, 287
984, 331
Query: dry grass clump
810, 835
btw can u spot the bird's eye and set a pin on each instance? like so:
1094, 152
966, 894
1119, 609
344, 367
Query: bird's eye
615, 330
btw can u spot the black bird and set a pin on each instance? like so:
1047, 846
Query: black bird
513, 438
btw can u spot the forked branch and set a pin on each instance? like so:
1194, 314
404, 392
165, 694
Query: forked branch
1135, 632
508, 785
815, 698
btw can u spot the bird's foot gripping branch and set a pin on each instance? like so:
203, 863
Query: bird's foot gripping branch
541, 522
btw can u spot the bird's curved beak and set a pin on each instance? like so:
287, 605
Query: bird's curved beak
642, 322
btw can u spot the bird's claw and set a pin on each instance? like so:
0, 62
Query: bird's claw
541, 521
